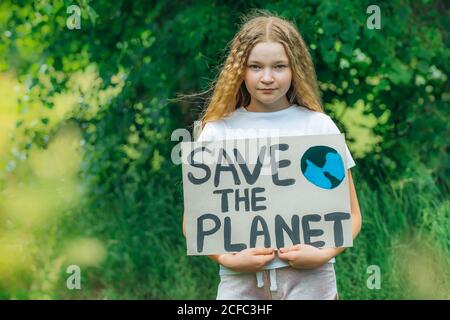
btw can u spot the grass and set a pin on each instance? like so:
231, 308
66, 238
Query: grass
405, 234
128, 242
405, 228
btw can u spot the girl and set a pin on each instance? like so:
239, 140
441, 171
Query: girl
268, 84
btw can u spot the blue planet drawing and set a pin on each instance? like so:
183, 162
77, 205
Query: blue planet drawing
323, 167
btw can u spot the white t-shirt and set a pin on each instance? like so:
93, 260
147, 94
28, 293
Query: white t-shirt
292, 121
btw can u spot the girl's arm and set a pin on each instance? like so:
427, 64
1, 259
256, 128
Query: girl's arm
356, 217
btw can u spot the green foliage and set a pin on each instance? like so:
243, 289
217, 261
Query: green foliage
150, 51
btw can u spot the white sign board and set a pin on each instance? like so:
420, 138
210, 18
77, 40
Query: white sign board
266, 192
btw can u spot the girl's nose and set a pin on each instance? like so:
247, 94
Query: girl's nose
267, 76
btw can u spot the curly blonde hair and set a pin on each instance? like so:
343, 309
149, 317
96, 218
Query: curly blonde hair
229, 91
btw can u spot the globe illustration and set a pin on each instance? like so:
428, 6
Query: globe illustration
323, 167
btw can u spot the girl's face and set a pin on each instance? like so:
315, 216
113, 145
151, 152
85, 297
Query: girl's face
268, 68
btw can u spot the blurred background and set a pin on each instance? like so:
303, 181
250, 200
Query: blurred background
87, 109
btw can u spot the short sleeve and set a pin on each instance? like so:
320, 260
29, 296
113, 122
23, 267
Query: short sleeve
331, 128
210, 132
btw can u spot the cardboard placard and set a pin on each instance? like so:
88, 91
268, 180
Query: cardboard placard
268, 192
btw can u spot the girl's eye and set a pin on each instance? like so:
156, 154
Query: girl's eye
256, 67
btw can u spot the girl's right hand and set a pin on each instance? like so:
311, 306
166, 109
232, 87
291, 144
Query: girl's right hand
248, 260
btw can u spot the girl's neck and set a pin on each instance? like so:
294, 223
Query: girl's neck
257, 106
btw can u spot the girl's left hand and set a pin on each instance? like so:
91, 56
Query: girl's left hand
304, 256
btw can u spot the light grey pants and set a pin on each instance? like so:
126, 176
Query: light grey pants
291, 284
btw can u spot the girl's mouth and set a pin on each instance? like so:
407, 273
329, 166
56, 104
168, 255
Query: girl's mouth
267, 90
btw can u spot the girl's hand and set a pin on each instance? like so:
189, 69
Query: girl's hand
304, 256
248, 260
